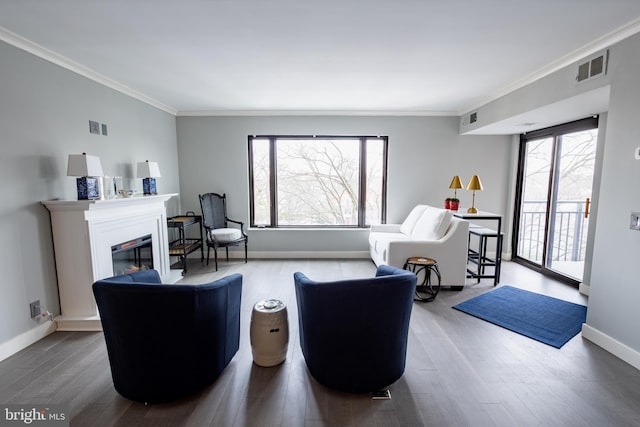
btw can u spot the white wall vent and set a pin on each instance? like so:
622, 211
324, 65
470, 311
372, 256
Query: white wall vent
594, 66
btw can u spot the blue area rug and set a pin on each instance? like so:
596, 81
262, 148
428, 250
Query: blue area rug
543, 318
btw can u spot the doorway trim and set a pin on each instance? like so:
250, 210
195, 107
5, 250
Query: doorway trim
550, 132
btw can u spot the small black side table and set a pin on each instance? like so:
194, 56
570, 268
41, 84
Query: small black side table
183, 246
428, 290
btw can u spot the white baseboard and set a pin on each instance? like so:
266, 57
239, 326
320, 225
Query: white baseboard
613, 346
25, 339
584, 289
288, 254
78, 323
310, 254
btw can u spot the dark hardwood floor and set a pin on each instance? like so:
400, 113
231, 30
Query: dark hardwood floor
461, 371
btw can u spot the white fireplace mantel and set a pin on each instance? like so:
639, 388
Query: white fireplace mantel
84, 232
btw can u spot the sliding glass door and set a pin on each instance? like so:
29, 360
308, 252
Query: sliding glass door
555, 180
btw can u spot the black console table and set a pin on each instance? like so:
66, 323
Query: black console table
479, 257
182, 246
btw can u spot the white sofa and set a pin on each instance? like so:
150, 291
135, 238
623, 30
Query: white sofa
426, 232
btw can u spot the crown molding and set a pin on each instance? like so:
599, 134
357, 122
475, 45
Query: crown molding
601, 43
409, 113
48, 55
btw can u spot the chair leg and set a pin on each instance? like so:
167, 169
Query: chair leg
227, 249
245, 251
208, 252
215, 256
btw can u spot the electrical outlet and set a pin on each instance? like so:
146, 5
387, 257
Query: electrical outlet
35, 309
635, 221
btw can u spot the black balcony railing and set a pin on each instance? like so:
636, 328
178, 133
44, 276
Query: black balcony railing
567, 223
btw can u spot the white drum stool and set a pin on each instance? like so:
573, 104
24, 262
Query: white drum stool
269, 332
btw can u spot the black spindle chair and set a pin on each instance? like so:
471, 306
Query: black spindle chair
218, 232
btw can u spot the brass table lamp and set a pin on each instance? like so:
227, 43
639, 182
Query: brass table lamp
474, 184
455, 184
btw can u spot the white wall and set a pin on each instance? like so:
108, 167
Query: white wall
547, 91
44, 117
614, 287
424, 155
615, 283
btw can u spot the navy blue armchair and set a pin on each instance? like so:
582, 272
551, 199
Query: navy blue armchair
167, 341
353, 333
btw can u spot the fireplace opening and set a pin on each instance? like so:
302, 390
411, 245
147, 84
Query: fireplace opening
132, 255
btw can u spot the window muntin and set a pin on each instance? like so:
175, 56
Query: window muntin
317, 181
376, 180
261, 190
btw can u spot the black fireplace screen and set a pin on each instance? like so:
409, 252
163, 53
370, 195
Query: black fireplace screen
132, 255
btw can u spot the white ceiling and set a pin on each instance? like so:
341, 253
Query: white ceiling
316, 56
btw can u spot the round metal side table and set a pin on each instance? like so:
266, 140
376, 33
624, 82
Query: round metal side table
427, 288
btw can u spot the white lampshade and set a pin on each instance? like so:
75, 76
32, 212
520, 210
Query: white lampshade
148, 169
84, 165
